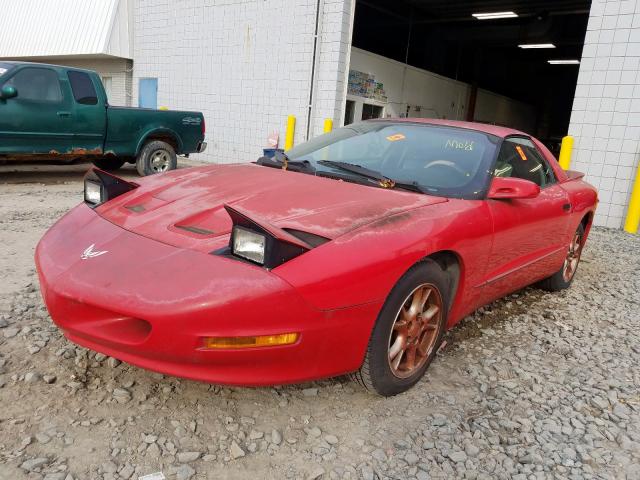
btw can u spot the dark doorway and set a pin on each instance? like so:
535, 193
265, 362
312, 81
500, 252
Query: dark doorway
443, 36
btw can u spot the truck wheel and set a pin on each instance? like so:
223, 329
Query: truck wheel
156, 157
109, 163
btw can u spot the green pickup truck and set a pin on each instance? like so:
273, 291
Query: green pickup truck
50, 112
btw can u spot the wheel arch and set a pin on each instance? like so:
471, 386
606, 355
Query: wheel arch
451, 264
163, 134
586, 222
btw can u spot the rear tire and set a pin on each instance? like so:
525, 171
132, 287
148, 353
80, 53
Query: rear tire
406, 324
156, 157
562, 278
109, 164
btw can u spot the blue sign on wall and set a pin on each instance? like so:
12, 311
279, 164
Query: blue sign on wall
148, 93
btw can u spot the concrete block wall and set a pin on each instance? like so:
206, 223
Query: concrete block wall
606, 112
246, 64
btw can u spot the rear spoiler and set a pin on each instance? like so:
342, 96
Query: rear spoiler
574, 175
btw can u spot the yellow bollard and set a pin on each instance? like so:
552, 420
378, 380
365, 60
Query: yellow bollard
633, 215
291, 130
328, 125
565, 152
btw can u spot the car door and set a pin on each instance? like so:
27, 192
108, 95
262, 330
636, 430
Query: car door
529, 234
38, 119
90, 116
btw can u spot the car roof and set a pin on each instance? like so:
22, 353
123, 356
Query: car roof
495, 130
39, 64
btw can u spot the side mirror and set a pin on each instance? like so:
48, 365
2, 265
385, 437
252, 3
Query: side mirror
8, 92
505, 188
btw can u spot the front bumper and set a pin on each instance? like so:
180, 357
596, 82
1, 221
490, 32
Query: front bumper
151, 304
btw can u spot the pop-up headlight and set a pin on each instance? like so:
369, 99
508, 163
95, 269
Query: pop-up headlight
92, 192
248, 244
100, 187
260, 242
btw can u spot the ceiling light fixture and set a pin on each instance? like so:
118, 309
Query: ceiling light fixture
494, 15
564, 62
537, 45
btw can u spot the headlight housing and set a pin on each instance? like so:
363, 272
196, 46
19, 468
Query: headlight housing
100, 187
92, 192
248, 244
259, 242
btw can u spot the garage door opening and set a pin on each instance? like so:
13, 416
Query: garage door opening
515, 66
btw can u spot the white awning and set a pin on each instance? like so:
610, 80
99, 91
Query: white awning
61, 28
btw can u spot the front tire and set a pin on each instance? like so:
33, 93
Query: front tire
562, 278
156, 157
109, 164
408, 331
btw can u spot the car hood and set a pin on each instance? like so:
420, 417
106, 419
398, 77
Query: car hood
185, 208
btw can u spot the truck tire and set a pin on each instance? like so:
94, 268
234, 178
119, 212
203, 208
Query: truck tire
156, 157
109, 163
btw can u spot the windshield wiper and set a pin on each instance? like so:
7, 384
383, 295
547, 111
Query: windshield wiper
357, 169
285, 163
383, 181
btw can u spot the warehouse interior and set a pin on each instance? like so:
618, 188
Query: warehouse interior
464, 59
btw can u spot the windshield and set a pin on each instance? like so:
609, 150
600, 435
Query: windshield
444, 161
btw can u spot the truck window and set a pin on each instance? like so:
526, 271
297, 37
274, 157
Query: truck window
36, 84
83, 89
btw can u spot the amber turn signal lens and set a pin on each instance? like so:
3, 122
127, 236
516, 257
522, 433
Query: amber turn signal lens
250, 342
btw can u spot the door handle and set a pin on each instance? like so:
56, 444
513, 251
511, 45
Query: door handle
64, 114
566, 207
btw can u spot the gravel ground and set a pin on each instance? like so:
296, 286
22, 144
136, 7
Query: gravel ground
534, 386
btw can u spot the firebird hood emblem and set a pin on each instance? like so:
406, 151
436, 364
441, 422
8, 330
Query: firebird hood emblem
91, 253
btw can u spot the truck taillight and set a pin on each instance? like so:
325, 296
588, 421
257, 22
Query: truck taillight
203, 127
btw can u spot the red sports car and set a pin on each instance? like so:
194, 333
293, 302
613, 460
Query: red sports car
352, 253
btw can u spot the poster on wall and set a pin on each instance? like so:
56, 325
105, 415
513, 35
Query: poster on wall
363, 84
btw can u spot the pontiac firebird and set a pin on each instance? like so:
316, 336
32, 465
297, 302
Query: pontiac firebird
350, 254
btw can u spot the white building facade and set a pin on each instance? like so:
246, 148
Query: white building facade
246, 64
93, 34
606, 112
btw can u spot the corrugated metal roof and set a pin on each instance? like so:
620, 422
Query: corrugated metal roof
37, 28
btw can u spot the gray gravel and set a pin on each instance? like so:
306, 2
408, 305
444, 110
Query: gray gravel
534, 386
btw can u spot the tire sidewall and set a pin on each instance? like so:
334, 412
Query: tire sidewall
557, 282
384, 381
143, 163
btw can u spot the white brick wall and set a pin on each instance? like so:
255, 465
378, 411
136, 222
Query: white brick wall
606, 111
246, 64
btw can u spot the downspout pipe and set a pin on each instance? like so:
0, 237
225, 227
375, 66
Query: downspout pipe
313, 69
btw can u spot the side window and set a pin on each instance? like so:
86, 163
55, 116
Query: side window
519, 158
36, 84
82, 88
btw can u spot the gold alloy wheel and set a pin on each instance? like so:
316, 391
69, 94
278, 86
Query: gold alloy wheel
573, 257
415, 330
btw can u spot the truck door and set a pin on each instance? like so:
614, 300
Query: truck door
38, 119
90, 115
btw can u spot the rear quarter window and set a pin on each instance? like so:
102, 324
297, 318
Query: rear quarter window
82, 87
